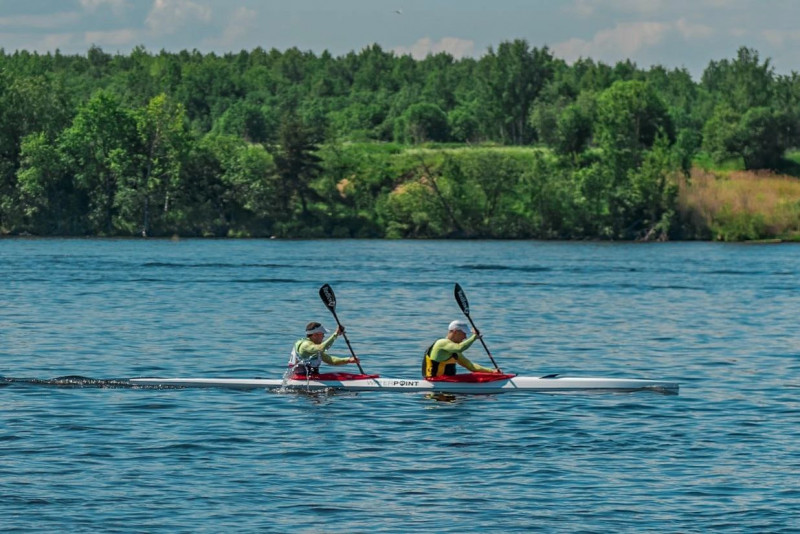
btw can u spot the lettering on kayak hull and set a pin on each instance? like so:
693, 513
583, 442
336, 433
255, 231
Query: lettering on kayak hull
405, 383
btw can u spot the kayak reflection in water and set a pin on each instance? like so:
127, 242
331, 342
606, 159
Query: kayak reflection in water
441, 358
309, 352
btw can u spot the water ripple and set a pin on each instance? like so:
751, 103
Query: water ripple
82, 452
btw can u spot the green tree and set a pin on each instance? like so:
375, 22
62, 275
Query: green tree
230, 187
483, 190
423, 122
654, 192
760, 136
512, 79
721, 133
297, 165
247, 120
742, 83
565, 125
464, 124
47, 194
765, 135
149, 188
629, 117
28, 104
438, 88
97, 147
370, 69
573, 129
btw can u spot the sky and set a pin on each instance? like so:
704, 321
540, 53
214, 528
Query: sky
672, 33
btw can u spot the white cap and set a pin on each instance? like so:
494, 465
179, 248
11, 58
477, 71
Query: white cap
318, 330
459, 324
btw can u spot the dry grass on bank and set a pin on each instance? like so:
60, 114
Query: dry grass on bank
742, 205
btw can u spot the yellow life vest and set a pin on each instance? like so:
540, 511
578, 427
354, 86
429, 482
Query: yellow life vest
432, 368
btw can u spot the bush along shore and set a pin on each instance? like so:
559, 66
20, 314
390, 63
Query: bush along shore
514, 145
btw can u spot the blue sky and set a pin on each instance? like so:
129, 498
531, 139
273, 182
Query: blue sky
673, 33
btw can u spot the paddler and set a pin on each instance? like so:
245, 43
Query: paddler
441, 358
309, 352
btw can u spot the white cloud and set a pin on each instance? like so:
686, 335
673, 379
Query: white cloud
111, 38
627, 39
39, 22
458, 48
722, 3
55, 40
780, 37
583, 8
35, 42
693, 31
242, 23
92, 5
168, 16
587, 8
624, 40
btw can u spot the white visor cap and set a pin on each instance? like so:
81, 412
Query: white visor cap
459, 324
318, 330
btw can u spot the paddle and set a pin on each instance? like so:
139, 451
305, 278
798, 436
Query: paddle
463, 303
327, 296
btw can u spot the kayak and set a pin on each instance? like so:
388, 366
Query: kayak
468, 384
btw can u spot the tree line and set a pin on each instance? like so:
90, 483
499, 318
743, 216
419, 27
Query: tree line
515, 144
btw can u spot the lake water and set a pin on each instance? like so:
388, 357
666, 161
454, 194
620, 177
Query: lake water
90, 454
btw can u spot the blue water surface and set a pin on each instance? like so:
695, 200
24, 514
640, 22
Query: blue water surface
89, 453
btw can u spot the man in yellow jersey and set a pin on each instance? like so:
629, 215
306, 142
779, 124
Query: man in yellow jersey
309, 352
441, 358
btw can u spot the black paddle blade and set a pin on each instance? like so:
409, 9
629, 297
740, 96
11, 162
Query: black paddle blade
327, 296
461, 298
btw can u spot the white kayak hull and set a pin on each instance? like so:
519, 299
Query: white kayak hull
510, 385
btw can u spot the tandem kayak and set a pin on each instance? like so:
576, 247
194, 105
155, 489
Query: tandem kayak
466, 384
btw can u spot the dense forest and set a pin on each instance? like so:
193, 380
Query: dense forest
515, 144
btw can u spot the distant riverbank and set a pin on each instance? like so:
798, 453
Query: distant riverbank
443, 194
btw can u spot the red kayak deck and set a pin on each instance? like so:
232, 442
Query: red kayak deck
472, 377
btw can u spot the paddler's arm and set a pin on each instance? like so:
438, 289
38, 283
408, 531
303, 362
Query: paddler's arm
335, 360
327, 358
445, 346
448, 347
308, 348
474, 367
